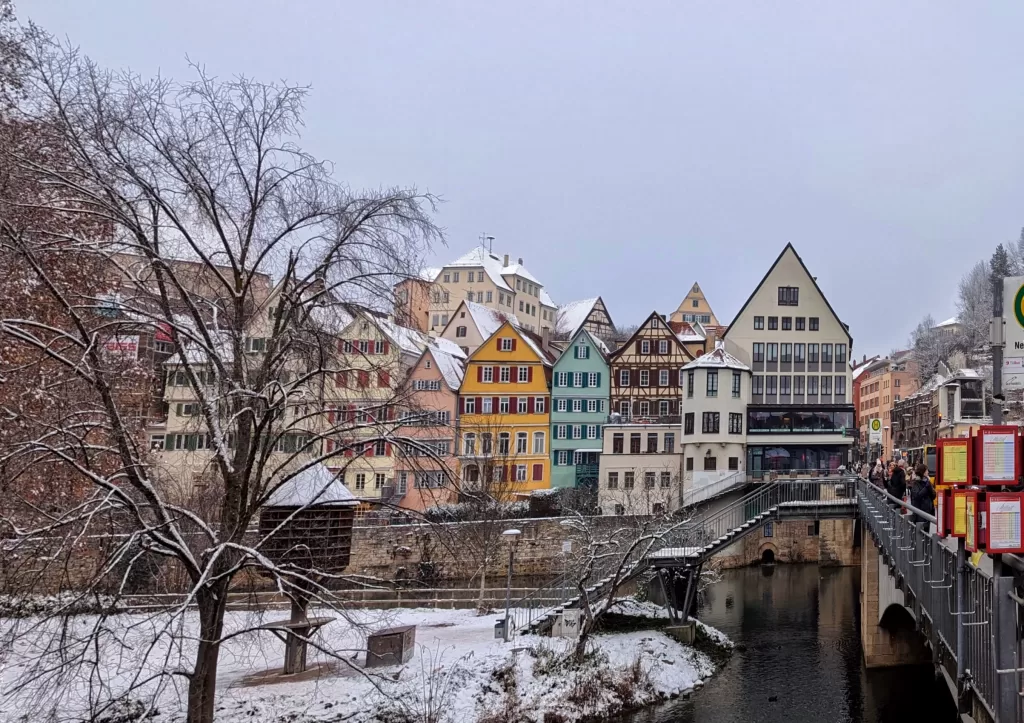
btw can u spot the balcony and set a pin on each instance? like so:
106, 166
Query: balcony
651, 419
586, 475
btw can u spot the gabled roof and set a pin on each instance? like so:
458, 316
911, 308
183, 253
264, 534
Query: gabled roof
598, 344
545, 298
486, 319
535, 343
948, 322
315, 485
520, 270
717, 359
493, 265
450, 360
408, 340
789, 247
687, 332
570, 317
627, 345
430, 274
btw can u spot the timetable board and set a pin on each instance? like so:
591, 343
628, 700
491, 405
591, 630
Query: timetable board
1004, 522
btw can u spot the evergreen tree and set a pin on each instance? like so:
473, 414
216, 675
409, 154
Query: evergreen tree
1000, 265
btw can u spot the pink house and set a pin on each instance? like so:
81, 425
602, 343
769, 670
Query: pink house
426, 469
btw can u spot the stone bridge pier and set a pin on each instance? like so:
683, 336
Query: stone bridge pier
888, 629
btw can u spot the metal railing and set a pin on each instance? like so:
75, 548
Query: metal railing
706, 492
970, 613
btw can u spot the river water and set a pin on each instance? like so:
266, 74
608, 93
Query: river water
799, 657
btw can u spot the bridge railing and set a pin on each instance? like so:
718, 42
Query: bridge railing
969, 610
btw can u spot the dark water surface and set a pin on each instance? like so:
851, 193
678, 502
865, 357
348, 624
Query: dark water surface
798, 629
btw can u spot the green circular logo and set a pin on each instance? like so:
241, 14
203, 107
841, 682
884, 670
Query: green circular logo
1018, 303
876, 424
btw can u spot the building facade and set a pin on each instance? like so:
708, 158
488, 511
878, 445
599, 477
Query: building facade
647, 374
579, 410
880, 385
505, 415
714, 420
695, 309
800, 415
589, 314
471, 324
640, 469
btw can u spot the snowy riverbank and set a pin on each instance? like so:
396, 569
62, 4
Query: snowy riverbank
458, 673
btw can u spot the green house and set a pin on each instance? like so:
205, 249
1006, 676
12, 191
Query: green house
579, 408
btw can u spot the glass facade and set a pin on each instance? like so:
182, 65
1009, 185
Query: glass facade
790, 459
799, 421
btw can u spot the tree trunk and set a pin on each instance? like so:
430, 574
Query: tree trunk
483, 586
202, 687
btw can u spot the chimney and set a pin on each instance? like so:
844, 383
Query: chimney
545, 338
520, 261
506, 260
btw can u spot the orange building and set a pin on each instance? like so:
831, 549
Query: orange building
880, 385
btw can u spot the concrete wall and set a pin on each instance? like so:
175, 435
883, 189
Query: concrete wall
790, 542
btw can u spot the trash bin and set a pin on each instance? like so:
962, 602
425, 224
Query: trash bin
499, 630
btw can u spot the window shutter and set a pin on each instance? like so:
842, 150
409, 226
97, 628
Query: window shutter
529, 374
368, 449
568, 379
586, 352
341, 379
513, 375
529, 406
387, 449
599, 379
330, 416
479, 404
387, 346
513, 405
503, 472
538, 472
638, 347
584, 379
348, 452
494, 405
462, 405
341, 346
513, 345
495, 374
479, 374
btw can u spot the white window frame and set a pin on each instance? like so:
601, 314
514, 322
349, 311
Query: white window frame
560, 430
562, 405
505, 375
522, 405
505, 343
524, 375
663, 377
581, 351
577, 379
577, 405
645, 377
592, 379
591, 431
623, 377
486, 404
562, 379
488, 375
592, 406
563, 457
520, 473
645, 346
577, 431
503, 405
539, 405
663, 346
538, 437
522, 442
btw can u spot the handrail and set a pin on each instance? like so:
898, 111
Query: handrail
713, 489
906, 505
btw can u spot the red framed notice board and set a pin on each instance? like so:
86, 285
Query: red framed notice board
953, 462
943, 512
1003, 522
972, 521
997, 455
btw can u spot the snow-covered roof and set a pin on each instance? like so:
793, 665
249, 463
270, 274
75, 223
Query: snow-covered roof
719, 358
314, 485
520, 270
948, 322
408, 340
429, 274
333, 319
488, 320
967, 374
687, 332
545, 298
451, 366
448, 347
570, 317
493, 265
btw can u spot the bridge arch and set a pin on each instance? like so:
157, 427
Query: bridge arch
768, 553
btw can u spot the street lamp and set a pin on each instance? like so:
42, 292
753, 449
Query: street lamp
566, 549
512, 536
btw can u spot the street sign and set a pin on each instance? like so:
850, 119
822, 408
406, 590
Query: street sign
875, 431
1013, 316
1013, 371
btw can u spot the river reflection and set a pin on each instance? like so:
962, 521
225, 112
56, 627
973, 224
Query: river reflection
800, 657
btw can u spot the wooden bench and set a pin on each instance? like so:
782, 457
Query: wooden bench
294, 634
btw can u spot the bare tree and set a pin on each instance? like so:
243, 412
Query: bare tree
201, 194
974, 306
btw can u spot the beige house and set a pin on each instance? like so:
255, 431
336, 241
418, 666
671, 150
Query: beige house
496, 282
695, 309
471, 324
800, 417
714, 421
640, 469
589, 314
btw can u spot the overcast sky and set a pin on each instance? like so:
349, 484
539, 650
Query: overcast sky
628, 149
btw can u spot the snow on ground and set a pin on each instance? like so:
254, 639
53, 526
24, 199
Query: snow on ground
458, 666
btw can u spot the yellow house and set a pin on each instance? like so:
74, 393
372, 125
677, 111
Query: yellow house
504, 413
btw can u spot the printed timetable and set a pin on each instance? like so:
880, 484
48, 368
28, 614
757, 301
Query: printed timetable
997, 457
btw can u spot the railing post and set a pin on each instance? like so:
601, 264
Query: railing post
961, 606
1004, 645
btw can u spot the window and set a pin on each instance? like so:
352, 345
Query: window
787, 353
501, 297
689, 464
773, 323
522, 405
486, 443
800, 323
504, 441
360, 481
620, 510
770, 388
592, 379
826, 386
663, 346
627, 480
768, 529
712, 385
652, 443
710, 464
645, 346
758, 352
577, 431
538, 442
757, 385
649, 480
624, 377
582, 351
663, 407
709, 423
670, 443
562, 379
663, 377
812, 353
520, 305
645, 409
506, 344
645, 377
617, 443
560, 430
624, 408
735, 423
634, 443
773, 353
490, 297
798, 386
689, 384
841, 355
447, 278
784, 384
486, 405
758, 323
696, 303
520, 442
505, 375
666, 480
577, 379
538, 405
841, 386
591, 431
734, 463
789, 296
688, 423
577, 405
812, 386
520, 473
826, 353
613, 480
460, 331
487, 375
737, 384
681, 376
524, 375
503, 405
813, 323
798, 353
592, 405
469, 295
469, 444
787, 323
378, 480
156, 442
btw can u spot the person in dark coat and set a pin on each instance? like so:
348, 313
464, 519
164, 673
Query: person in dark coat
898, 480
922, 494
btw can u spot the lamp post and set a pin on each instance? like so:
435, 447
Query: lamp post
512, 536
566, 549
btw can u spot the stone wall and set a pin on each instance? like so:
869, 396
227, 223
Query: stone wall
827, 542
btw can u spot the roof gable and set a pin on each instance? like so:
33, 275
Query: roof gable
586, 337
654, 322
789, 251
531, 344
485, 319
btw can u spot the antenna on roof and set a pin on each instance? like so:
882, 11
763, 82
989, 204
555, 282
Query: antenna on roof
487, 242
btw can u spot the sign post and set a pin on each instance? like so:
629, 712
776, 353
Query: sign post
875, 434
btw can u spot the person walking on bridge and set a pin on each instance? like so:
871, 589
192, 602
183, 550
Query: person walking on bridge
877, 474
922, 494
898, 480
